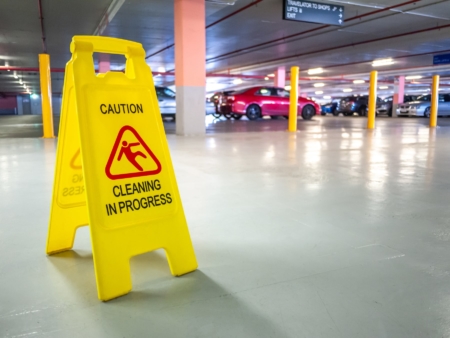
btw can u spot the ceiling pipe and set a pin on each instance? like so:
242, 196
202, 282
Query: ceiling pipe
251, 4
350, 45
312, 30
41, 17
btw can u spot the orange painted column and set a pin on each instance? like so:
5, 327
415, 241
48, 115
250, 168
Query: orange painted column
190, 67
104, 64
399, 94
280, 77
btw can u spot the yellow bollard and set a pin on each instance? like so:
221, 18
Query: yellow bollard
46, 95
434, 101
372, 99
293, 103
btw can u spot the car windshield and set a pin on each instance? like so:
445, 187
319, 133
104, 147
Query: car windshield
165, 92
425, 98
168, 92
237, 92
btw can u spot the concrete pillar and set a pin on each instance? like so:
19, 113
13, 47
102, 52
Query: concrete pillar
190, 68
399, 94
104, 64
280, 77
46, 95
19, 105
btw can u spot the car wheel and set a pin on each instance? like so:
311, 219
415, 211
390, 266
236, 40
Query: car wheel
336, 113
308, 112
362, 111
253, 112
237, 116
274, 117
427, 112
216, 115
390, 112
323, 114
228, 116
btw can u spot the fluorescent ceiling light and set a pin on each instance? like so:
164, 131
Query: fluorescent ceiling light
271, 75
266, 78
287, 87
161, 69
319, 92
15, 75
413, 77
237, 81
382, 62
384, 87
20, 81
315, 71
319, 85
326, 97
359, 81
24, 85
347, 90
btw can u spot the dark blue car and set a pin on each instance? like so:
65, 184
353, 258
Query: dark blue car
329, 108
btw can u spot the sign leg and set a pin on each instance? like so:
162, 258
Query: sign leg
113, 273
62, 228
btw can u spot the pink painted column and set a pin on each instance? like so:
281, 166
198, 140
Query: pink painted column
280, 77
103, 63
399, 93
190, 67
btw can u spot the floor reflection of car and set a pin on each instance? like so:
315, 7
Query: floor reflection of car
256, 102
329, 108
166, 101
422, 106
385, 106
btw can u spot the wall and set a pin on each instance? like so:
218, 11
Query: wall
36, 106
8, 105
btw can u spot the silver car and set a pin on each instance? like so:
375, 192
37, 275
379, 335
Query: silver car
422, 106
166, 101
385, 107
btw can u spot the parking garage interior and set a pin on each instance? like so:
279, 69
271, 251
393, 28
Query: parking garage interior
338, 228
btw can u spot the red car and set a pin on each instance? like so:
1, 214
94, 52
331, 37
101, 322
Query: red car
257, 102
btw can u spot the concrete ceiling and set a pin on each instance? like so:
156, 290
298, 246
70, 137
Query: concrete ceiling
251, 40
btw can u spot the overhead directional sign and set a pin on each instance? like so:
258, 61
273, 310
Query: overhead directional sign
441, 59
314, 12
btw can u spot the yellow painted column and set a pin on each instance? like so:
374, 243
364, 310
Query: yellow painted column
293, 103
46, 95
434, 101
372, 99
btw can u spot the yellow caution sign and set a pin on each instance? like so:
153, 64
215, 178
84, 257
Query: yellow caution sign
113, 158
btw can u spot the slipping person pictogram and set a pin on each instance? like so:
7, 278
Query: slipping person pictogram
130, 155
123, 147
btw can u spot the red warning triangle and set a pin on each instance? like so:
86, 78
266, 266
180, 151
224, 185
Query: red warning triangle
75, 163
123, 151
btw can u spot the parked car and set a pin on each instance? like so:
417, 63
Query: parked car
256, 102
215, 99
354, 104
166, 101
385, 106
422, 105
329, 108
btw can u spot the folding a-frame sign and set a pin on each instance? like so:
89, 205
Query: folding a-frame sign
113, 168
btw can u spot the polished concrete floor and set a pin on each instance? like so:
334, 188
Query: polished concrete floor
333, 231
